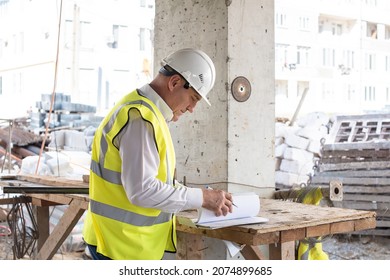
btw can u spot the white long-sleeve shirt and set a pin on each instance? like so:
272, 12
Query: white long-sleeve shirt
140, 161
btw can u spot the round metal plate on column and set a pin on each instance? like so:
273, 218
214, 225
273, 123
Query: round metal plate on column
241, 89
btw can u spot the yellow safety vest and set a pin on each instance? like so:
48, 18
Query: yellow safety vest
120, 229
311, 248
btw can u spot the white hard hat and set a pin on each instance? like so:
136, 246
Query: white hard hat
195, 67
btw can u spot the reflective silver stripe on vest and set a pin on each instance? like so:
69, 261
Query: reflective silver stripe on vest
108, 175
127, 216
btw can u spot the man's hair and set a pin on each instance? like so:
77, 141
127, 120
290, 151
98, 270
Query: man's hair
168, 71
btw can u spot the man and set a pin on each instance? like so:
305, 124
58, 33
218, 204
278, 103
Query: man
133, 198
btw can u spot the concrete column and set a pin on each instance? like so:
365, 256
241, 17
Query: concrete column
229, 145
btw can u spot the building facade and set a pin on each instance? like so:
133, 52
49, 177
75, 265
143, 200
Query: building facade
339, 49
94, 51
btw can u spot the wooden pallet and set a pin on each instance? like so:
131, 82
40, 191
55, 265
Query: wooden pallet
357, 153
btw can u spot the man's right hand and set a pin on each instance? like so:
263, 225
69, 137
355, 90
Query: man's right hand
218, 201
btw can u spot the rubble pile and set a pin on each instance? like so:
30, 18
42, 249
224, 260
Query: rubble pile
298, 148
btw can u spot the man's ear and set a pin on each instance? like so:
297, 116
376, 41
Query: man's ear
174, 81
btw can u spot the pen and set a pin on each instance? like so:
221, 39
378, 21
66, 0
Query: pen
210, 188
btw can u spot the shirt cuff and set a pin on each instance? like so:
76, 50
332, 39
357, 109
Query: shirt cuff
194, 198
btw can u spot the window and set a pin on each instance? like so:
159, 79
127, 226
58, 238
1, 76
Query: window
387, 32
303, 55
82, 33
281, 54
119, 38
370, 61
142, 36
372, 3
337, 29
369, 93
304, 23
281, 20
327, 91
328, 57
350, 92
348, 59
86, 33
371, 30
321, 27
2, 44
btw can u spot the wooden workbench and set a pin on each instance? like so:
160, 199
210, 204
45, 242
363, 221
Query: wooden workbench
288, 222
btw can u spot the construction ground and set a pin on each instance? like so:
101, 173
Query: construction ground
310, 166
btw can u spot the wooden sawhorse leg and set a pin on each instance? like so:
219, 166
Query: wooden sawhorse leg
61, 231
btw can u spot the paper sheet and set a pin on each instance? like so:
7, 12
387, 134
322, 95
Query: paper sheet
248, 207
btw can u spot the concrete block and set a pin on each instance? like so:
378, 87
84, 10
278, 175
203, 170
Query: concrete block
280, 150
296, 141
314, 118
297, 167
75, 141
289, 179
57, 139
278, 161
281, 129
279, 141
297, 154
315, 147
312, 132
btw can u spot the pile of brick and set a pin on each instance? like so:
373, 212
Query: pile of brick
298, 148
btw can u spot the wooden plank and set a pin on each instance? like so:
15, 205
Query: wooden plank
366, 189
190, 246
348, 160
252, 253
375, 232
378, 173
356, 146
290, 235
355, 153
365, 223
340, 227
43, 217
14, 200
352, 180
362, 205
367, 197
61, 231
354, 166
383, 224
282, 251
319, 230
62, 198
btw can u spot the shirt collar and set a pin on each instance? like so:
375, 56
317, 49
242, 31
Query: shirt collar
153, 96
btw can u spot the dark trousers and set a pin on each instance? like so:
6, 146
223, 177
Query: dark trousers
95, 255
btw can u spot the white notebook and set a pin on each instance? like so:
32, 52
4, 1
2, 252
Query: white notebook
244, 213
